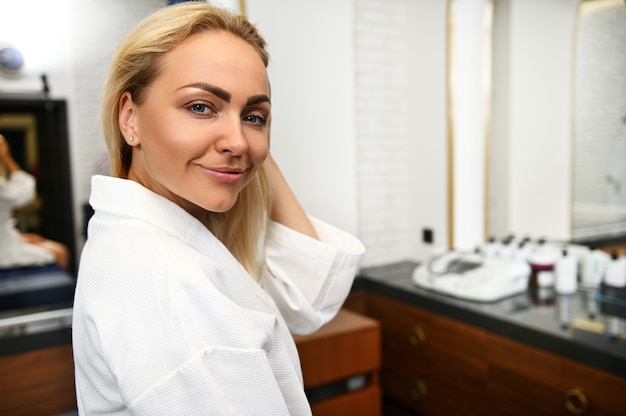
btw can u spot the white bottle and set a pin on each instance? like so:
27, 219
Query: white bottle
524, 250
616, 271
594, 267
566, 274
492, 248
508, 247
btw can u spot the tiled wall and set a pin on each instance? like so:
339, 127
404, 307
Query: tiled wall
97, 29
600, 99
382, 136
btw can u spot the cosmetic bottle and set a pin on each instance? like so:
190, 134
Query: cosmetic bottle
612, 295
508, 247
615, 275
594, 268
492, 248
524, 250
542, 262
566, 274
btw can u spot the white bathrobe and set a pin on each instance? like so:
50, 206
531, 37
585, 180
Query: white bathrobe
167, 322
17, 190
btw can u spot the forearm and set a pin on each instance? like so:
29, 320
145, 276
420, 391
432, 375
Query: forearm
286, 209
10, 164
5, 157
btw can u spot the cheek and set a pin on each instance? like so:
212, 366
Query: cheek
259, 149
163, 140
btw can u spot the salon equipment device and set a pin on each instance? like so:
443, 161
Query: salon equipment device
473, 276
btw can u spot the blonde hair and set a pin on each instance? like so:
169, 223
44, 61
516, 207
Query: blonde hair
137, 63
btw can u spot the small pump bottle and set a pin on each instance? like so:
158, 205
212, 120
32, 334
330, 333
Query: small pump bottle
508, 247
566, 274
492, 248
524, 250
594, 267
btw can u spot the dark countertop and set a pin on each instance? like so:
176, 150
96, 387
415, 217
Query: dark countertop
515, 317
565, 328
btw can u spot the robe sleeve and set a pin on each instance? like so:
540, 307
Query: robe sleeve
19, 189
309, 279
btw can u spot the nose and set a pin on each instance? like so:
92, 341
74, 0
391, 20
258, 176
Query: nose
232, 140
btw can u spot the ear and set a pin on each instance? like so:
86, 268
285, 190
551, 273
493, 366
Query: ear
126, 118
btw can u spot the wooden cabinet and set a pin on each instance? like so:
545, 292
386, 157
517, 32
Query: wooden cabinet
39, 382
433, 365
523, 380
340, 366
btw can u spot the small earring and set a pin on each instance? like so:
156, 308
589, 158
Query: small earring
131, 139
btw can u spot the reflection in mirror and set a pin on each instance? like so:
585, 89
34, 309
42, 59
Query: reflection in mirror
530, 164
37, 134
599, 193
20, 131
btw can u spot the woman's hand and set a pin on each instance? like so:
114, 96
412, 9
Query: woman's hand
4, 148
5, 156
286, 209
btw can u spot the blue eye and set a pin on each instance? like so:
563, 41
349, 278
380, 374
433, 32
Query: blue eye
200, 108
258, 120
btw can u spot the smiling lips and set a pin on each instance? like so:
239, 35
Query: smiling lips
226, 175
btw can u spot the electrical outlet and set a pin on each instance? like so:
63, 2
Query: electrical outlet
428, 235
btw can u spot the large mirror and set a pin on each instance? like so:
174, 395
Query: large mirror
37, 132
599, 193
557, 144
518, 150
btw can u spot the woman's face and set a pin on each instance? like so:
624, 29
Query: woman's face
202, 130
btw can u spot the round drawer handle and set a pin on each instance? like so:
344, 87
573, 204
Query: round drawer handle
419, 390
417, 336
576, 401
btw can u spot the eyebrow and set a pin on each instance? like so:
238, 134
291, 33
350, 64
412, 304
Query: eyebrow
257, 99
225, 95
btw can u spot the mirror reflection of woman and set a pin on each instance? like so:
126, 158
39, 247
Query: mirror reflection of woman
17, 189
199, 262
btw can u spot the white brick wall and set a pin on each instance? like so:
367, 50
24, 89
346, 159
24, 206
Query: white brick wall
382, 137
97, 27
600, 97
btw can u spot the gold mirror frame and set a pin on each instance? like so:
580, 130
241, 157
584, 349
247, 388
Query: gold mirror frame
452, 92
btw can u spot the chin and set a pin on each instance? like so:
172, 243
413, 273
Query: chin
223, 206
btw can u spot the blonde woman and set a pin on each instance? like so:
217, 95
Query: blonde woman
199, 262
17, 189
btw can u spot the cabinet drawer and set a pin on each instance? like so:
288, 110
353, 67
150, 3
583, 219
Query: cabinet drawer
421, 341
427, 395
39, 382
423, 351
348, 345
525, 380
340, 366
364, 402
